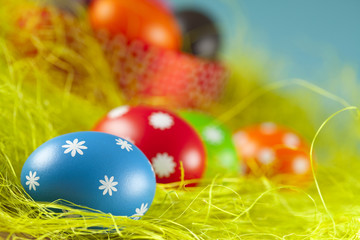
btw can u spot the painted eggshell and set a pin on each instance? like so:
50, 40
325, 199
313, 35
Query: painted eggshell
92, 169
137, 20
220, 149
291, 167
201, 35
293, 164
166, 139
256, 146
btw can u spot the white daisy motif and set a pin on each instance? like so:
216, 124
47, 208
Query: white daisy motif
291, 140
32, 180
163, 164
108, 185
74, 147
160, 120
266, 156
129, 139
140, 211
268, 128
300, 165
213, 135
124, 144
118, 112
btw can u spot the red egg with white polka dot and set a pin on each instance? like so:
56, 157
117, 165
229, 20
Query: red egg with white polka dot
257, 146
166, 140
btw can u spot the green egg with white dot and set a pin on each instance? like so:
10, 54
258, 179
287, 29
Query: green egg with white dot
217, 138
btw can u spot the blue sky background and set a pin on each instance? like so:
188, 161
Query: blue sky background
309, 36
308, 33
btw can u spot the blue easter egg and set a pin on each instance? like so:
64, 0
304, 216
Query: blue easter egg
92, 169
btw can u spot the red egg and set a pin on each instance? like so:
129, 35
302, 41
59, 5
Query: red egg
257, 147
165, 139
138, 20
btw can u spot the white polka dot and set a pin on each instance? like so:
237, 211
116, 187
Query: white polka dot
226, 159
266, 156
193, 159
268, 128
240, 138
291, 140
213, 135
118, 112
248, 149
301, 165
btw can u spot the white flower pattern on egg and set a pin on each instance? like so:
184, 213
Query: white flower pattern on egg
213, 135
108, 185
74, 147
140, 211
124, 144
32, 180
160, 120
163, 164
129, 139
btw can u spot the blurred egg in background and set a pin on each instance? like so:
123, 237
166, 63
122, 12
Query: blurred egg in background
263, 91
